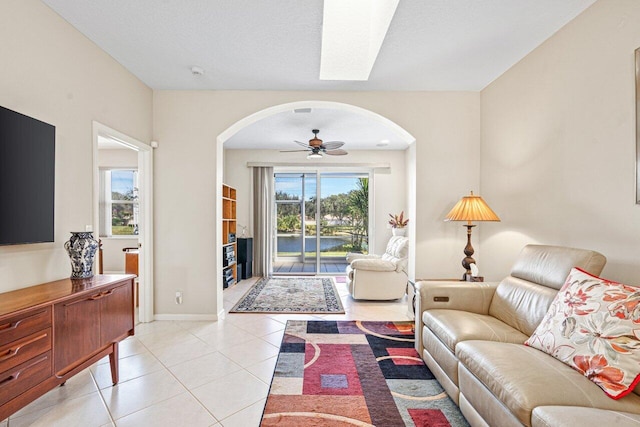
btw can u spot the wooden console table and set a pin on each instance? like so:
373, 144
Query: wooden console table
50, 332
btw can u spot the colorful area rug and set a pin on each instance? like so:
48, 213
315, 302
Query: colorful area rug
291, 295
355, 373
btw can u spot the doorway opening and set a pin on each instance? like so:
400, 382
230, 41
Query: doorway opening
320, 217
122, 200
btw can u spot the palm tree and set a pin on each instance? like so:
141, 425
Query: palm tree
359, 209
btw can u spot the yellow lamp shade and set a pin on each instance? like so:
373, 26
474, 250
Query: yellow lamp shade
471, 208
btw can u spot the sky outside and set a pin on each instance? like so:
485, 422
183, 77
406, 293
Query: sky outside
122, 181
331, 184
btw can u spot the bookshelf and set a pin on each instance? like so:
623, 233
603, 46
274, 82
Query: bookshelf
229, 245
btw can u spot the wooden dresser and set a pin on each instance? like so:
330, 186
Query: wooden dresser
50, 332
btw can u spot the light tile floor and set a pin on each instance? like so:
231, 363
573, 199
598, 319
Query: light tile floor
187, 373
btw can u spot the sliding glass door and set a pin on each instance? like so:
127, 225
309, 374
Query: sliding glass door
320, 217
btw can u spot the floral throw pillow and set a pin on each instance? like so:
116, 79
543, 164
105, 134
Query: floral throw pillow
593, 325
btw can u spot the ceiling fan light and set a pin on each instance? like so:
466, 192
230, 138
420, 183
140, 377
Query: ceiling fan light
314, 156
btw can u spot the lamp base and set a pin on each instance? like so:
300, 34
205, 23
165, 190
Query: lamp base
468, 251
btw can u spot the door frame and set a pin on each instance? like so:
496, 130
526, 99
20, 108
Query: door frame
145, 194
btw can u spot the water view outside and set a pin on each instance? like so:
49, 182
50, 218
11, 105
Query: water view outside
342, 215
293, 244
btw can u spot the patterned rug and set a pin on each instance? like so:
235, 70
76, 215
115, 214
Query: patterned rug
291, 295
355, 373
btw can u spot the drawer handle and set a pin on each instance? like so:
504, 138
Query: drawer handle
16, 375
9, 354
9, 379
91, 298
12, 325
102, 295
15, 324
12, 352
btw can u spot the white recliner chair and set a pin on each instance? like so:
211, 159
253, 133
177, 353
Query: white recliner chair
375, 277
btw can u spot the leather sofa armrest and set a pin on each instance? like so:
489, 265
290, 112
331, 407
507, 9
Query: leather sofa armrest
373, 265
473, 297
352, 256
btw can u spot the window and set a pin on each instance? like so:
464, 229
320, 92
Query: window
119, 202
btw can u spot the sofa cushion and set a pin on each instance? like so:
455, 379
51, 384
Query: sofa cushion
593, 325
453, 326
523, 378
523, 298
521, 304
548, 416
397, 252
549, 265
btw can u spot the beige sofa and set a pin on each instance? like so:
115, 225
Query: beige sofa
471, 336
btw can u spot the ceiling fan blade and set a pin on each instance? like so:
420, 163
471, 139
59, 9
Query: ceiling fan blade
332, 145
302, 144
293, 151
338, 152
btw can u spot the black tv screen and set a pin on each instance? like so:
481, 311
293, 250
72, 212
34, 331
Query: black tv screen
27, 175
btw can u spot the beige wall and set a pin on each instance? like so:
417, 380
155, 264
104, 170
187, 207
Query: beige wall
385, 194
125, 158
558, 144
51, 72
446, 126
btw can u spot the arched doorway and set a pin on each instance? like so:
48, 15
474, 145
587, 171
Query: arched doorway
370, 117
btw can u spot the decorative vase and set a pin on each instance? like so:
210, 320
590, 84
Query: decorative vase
81, 248
399, 231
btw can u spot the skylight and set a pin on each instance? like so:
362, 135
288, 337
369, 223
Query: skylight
352, 34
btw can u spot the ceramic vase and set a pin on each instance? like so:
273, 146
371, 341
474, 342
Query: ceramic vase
399, 231
81, 248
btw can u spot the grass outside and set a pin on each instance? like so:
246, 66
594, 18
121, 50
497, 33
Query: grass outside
122, 230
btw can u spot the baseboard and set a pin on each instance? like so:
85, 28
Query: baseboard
186, 317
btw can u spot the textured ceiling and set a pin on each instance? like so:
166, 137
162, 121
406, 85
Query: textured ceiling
275, 45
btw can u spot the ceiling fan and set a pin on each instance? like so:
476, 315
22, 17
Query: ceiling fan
316, 147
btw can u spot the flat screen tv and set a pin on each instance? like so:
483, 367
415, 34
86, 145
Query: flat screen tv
27, 175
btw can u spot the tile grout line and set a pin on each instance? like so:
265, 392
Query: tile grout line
104, 402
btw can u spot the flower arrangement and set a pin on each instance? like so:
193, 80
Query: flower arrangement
398, 221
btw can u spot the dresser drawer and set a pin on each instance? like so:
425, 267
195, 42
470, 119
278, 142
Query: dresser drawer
23, 349
21, 378
24, 324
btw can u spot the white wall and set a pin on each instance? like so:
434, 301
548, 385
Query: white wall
112, 256
188, 164
388, 195
53, 73
558, 144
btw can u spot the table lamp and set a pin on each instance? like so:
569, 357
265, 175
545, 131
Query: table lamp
470, 208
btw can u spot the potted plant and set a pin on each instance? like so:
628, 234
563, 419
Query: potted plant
398, 223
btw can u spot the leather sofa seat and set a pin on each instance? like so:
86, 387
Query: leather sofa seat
547, 416
523, 378
452, 327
